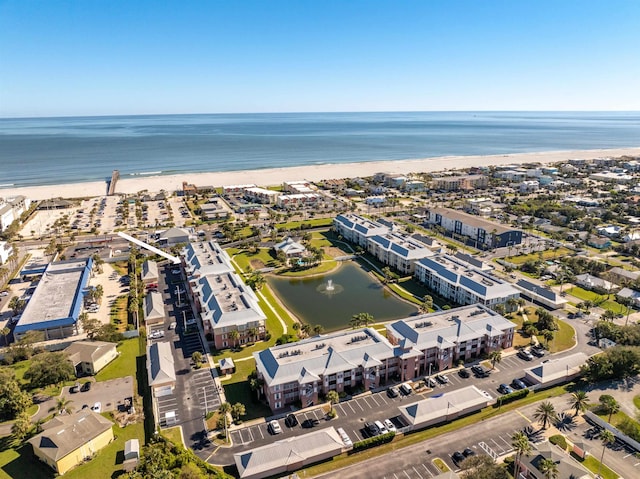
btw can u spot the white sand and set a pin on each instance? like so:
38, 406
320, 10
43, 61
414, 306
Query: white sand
274, 176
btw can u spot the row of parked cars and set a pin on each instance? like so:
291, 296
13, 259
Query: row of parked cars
377, 428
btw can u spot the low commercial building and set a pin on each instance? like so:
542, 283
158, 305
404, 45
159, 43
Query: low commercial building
398, 251
69, 440
288, 454
290, 247
153, 309
305, 370
556, 371
89, 357
176, 236
437, 341
161, 370
358, 229
611, 177
444, 407
479, 231
539, 294
456, 280
57, 301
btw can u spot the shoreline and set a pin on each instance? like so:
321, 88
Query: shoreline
275, 176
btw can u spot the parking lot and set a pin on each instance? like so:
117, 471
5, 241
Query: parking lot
110, 394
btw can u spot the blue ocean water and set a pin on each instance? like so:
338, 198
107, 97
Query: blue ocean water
41, 151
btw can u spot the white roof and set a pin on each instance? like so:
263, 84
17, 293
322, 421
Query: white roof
442, 405
273, 458
153, 306
161, 368
557, 368
289, 246
149, 270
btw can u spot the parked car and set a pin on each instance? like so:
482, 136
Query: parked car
505, 389
538, 352
457, 458
442, 378
525, 354
392, 392
518, 384
468, 452
86, 387
291, 421
432, 383
4, 293
371, 428
464, 373
345, 438
381, 427
406, 389
97, 407
172, 325
390, 426
309, 423
479, 371
274, 427
75, 388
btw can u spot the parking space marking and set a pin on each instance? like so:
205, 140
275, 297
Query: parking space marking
358, 404
498, 446
341, 410
419, 475
373, 398
407, 474
427, 469
350, 407
261, 433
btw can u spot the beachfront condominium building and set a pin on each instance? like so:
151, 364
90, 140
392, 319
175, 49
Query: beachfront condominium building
446, 337
11, 209
358, 229
398, 251
459, 281
307, 370
261, 195
460, 183
477, 231
228, 308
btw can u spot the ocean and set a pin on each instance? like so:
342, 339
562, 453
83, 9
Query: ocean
45, 151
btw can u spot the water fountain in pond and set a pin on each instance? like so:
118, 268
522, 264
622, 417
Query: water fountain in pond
329, 288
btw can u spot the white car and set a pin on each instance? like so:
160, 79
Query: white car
4, 293
381, 427
390, 426
97, 407
274, 426
345, 438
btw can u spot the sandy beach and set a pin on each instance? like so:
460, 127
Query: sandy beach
274, 176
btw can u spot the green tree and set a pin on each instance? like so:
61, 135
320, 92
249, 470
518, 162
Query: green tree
91, 326
427, 304
237, 411
49, 368
495, 357
5, 332
522, 447
97, 262
317, 329
609, 405
545, 414
579, 401
361, 319
63, 405
386, 273
21, 426
13, 400
333, 398
482, 467
549, 468
16, 305
234, 335
197, 358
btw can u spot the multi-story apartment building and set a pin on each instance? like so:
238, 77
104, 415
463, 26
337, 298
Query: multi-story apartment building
6, 250
262, 195
481, 232
298, 199
308, 369
11, 209
446, 337
358, 229
458, 183
398, 251
224, 302
463, 283
305, 371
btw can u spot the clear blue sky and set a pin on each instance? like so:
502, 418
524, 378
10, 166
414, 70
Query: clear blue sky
102, 57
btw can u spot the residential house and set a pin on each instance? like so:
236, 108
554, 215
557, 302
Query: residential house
89, 357
632, 294
69, 440
623, 276
588, 281
149, 272
599, 242
161, 370
154, 312
290, 247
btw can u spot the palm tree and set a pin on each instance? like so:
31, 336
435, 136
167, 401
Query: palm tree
545, 413
427, 304
607, 438
63, 405
234, 335
317, 329
609, 405
549, 468
579, 401
253, 333
333, 398
495, 357
361, 319
520, 444
386, 272
5, 332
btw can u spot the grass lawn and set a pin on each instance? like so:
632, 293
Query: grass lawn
237, 389
597, 299
636, 401
313, 223
564, 338
118, 314
173, 434
546, 255
323, 267
124, 364
593, 465
519, 339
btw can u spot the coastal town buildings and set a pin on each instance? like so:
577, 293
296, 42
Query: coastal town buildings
358, 229
11, 209
398, 251
460, 183
478, 231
